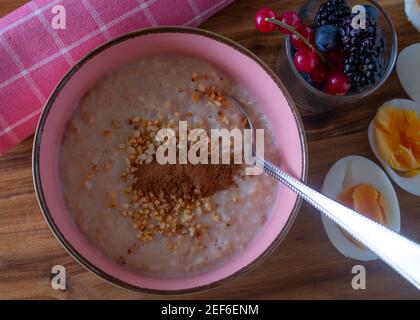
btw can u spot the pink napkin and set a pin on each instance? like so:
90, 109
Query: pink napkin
34, 55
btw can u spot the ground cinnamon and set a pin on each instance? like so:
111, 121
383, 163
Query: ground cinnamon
168, 199
185, 179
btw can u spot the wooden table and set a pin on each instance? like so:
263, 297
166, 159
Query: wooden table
304, 266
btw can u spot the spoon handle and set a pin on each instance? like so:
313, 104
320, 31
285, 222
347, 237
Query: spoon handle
398, 252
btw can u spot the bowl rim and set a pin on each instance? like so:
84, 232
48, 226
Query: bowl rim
362, 94
38, 138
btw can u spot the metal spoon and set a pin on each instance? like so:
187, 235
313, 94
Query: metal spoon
400, 253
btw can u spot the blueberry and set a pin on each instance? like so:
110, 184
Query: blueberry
305, 76
371, 11
327, 38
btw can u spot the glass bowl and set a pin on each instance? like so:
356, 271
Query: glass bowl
313, 99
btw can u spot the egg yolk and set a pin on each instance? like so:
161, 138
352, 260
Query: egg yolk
398, 136
366, 200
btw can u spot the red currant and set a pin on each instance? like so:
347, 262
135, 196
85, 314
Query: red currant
335, 57
260, 23
305, 31
337, 84
305, 60
320, 73
291, 18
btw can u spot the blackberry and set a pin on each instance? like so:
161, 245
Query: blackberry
358, 40
362, 69
332, 12
379, 47
364, 47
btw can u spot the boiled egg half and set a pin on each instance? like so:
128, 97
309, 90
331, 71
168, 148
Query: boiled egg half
408, 70
394, 137
360, 184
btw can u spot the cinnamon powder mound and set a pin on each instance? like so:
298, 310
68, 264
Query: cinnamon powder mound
185, 179
168, 199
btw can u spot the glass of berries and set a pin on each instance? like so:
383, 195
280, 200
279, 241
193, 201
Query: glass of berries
336, 58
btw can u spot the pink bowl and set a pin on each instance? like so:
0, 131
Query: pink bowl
225, 54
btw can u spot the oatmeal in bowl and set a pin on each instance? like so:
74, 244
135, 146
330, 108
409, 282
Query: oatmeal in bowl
171, 227
165, 219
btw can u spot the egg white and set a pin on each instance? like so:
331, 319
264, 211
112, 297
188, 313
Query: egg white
409, 184
408, 70
347, 172
412, 10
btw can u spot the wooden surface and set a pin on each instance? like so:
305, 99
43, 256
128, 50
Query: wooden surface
305, 265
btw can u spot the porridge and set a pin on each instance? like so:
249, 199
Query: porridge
166, 220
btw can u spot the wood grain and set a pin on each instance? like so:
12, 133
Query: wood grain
304, 266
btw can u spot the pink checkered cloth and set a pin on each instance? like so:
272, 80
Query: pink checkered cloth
34, 56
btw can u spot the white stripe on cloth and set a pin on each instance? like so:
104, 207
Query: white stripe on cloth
12, 54
9, 128
205, 12
194, 8
22, 20
75, 44
26, 72
4, 124
53, 33
149, 15
94, 14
